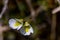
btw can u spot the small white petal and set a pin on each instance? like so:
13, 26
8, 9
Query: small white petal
27, 33
12, 22
31, 30
19, 27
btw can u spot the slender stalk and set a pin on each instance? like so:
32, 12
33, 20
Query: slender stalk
5, 2
53, 28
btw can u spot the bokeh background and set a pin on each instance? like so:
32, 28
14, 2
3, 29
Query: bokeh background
37, 12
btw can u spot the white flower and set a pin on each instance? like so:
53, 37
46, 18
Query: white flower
30, 31
27, 30
14, 24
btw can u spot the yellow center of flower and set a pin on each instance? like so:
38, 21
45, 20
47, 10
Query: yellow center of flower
16, 24
27, 29
26, 26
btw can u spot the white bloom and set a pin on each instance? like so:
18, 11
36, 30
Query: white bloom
27, 30
15, 24
23, 32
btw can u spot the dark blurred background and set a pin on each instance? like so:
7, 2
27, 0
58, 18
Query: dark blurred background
37, 12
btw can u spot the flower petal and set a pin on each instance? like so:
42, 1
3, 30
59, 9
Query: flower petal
11, 23
15, 24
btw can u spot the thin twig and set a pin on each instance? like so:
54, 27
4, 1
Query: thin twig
39, 10
58, 1
30, 7
56, 10
34, 13
5, 2
53, 28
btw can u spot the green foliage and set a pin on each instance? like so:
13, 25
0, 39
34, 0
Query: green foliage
21, 6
